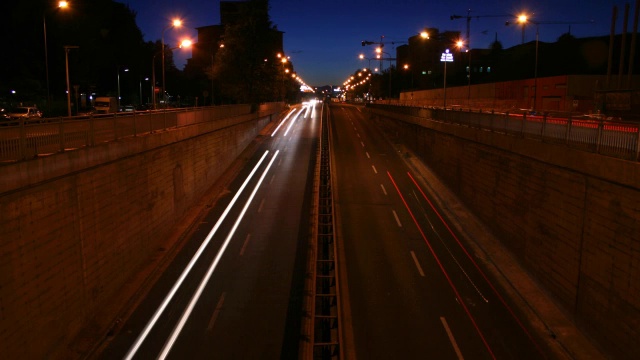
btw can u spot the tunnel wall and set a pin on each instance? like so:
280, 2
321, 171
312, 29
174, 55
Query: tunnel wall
76, 227
572, 218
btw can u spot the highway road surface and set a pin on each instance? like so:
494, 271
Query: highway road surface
234, 290
411, 287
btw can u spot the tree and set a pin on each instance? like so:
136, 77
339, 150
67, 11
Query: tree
247, 68
104, 30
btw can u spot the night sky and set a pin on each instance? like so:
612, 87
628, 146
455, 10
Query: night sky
324, 37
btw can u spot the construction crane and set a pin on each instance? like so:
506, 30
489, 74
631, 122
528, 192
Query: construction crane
469, 17
382, 42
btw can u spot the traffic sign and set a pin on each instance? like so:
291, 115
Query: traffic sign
446, 56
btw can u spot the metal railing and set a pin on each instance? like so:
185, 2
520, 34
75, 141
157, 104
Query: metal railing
26, 139
610, 138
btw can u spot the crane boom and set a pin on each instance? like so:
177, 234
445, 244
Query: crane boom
468, 17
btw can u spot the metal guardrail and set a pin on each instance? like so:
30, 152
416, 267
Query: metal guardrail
609, 138
26, 139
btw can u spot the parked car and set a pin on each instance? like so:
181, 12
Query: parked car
23, 112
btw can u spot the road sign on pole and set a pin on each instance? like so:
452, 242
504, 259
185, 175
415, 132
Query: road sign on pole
445, 58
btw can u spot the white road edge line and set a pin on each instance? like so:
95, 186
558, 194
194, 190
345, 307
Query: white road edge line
415, 260
136, 345
194, 299
451, 338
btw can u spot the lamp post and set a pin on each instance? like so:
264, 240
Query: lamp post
184, 43
174, 23
61, 5
460, 45
523, 20
66, 62
118, 70
283, 60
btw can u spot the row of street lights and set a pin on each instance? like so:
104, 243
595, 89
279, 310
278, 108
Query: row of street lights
522, 19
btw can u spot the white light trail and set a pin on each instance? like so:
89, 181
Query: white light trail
282, 122
134, 348
187, 312
293, 121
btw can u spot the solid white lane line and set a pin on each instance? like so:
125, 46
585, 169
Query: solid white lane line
244, 245
451, 338
194, 299
397, 218
136, 345
415, 260
384, 191
374, 169
216, 312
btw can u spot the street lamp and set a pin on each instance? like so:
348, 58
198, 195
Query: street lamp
460, 45
174, 24
118, 70
185, 44
523, 20
61, 5
66, 62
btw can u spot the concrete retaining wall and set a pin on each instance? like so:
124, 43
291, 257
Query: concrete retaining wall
571, 217
75, 227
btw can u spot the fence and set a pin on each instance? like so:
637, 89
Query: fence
610, 138
25, 139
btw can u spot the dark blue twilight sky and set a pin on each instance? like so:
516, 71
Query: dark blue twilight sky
324, 37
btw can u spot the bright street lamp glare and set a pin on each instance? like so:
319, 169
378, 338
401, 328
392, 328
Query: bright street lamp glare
177, 22
460, 43
185, 43
63, 4
361, 56
522, 18
378, 50
424, 35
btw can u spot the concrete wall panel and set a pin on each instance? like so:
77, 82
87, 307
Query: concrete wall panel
75, 227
